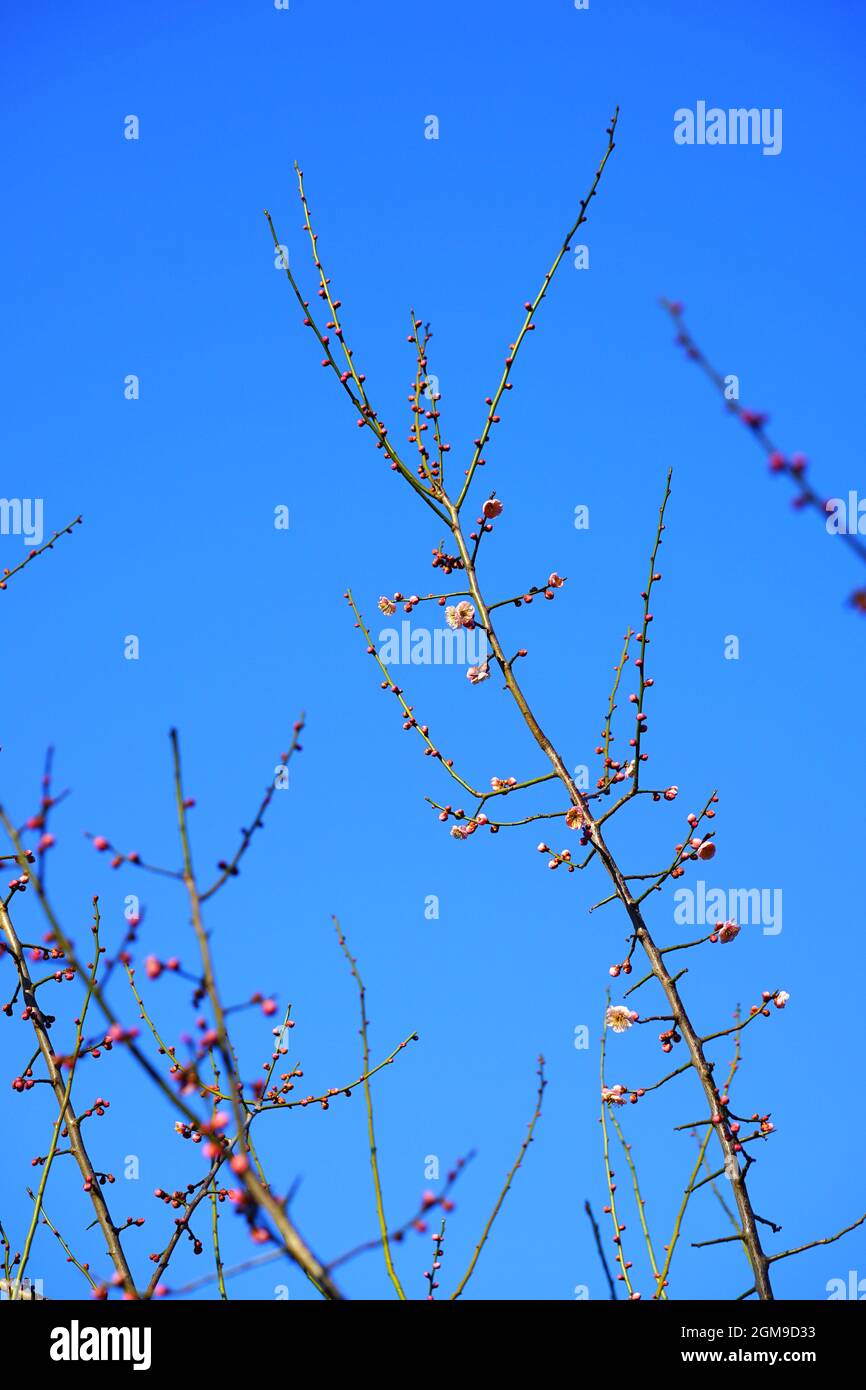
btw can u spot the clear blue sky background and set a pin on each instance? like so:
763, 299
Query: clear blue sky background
152, 257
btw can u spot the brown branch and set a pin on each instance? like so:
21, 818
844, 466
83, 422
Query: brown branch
580, 812
259, 1194
34, 554
794, 468
368, 1099
825, 1240
58, 1085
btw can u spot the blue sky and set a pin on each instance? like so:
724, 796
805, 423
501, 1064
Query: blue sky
152, 257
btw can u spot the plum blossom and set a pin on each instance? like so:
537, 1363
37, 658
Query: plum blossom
619, 1018
387, 606
477, 674
613, 1095
727, 931
463, 615
781, 999
491, 508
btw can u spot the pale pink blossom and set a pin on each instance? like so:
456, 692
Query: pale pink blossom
619, 1018
387, 606
463, 615
613, 1095
671, 793
574, 817
781, 999
477, 674
727, 931
492, 508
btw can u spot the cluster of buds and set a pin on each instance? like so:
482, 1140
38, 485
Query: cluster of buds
777, 463
175, 1199
99, 1107
100, 1178
37, 822
462, 832
153, 966
615, 771
447, 563
409, 720
754, 419
430, 1200
431, 1273
287, 1084
491, 509
697, 847
621, 1095
624, 968
40, 954
547, 590
388, 606
187, 1131
101, 844
427, 466
268, 1005
556, 857
669, 794
118, 1034
778, 997
473, 823
323, 1101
